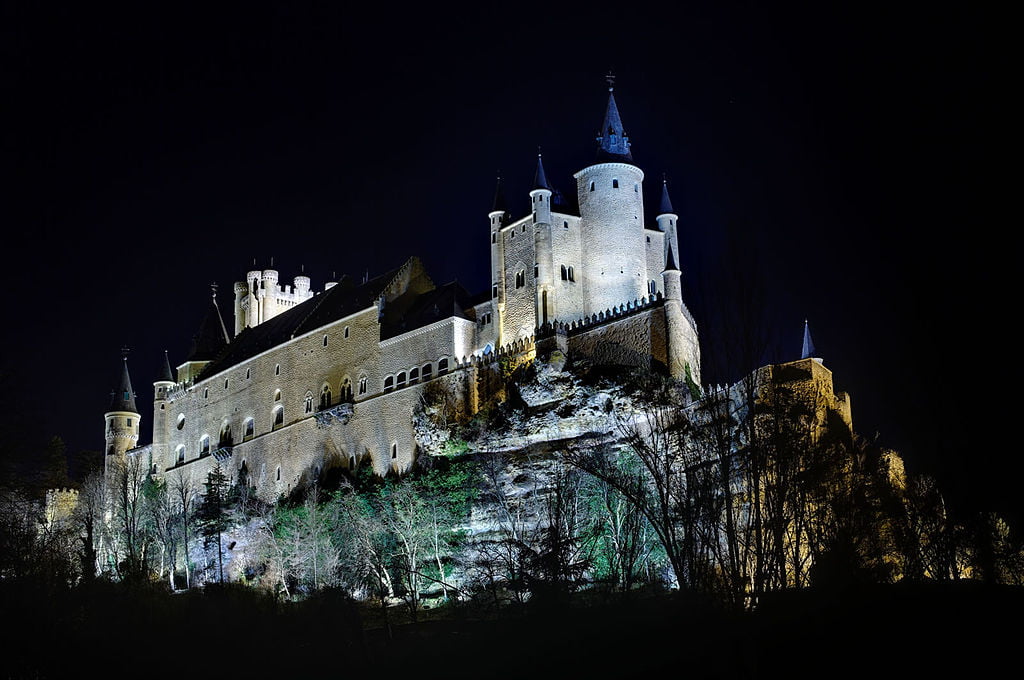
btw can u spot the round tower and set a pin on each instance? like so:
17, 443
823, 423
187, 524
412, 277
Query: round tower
241, 291
301, 285
268, 295
498, 217
252, 280
161, 399
611, 204
667, 219
540, 202
121, 421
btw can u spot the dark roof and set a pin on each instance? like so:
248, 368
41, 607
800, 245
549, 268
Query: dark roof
415, 310
165, 370
540, 181
499, 201
666, 204
670, 260
614, 144
123, 398
212, 336
339, 301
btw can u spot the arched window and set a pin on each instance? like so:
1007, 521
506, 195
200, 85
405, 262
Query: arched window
362, 384
520, 278
225, 383
204, 445
180, 455
389, 383
225, 434
206, 393
308, 402
248, 373
278, 416
591, 186
427, 371
277, 369
325, 397
615, 184
636, 188
400, 381
652, 287
565, 273
572, 274
278, 475
250, 429
346, 331
394, 451
442, 365
414, 375
277, 395
565, 224
181, 420
346, 390
325, 341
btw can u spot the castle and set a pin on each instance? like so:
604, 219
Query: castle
315, 379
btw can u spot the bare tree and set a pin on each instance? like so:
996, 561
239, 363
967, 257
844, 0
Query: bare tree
185, 494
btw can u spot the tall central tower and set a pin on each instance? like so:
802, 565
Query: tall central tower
611, 204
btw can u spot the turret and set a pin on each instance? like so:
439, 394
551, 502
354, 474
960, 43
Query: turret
121, 421
241, 291
611, 204
301, 286
252, 280
675, 321
498, 218
162, 387
807, 350
667, 221
268, 294
540, 200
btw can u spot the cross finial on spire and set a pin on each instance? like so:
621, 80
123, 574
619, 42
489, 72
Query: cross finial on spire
213, 289
124, 352
610, 78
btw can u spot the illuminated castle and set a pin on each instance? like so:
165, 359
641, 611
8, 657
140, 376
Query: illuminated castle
316, 379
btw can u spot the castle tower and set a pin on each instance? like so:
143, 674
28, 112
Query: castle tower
667, 219
611, 205
121, 420
675, 321
498, 218
540, 202
161, 399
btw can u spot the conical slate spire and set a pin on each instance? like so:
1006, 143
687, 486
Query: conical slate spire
670, 260
808, 348
666, 204
499, 197
212, 335
540, 181
124, 398
165, 370
614, 144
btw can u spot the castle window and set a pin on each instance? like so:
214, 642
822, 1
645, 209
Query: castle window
278, 417
534, 219
250, 429
362, 384
520, 278
565, 273
225, 383
278, 475
325, 396
346, 391
671, 223
346, 331
512, 234
494, 291
565, 224
414, 375
442, 365
536, 271
248, 373
401, 379
110, 451
524, 227
571, 273
325, 341
394, 451
309, 402
180, 457
225, 434
181, 420
206, 393
636, 188
204, 445
652, 287
615, 184
128, 422
277, 395
389, 383
277, 369
591, 186
427, 370
494, 238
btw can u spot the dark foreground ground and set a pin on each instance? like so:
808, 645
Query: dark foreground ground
925, 630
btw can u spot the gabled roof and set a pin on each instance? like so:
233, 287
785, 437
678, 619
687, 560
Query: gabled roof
614, 144
339, 301
423, 309
212, 336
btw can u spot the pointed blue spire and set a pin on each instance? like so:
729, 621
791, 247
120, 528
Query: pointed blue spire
666, 203
540, 181
614, 144
808, 348
124, 398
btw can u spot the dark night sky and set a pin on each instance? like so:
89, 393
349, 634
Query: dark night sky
856, 152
